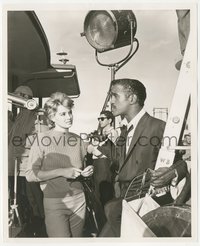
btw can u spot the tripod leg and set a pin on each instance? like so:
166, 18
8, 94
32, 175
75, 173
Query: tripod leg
95, 221
18, 217
15, 194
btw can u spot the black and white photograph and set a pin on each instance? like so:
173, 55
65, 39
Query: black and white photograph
99, 122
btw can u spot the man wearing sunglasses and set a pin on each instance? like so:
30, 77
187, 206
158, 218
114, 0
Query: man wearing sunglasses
106, 119
102, 173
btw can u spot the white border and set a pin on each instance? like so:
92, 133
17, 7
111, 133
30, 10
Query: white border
80, 5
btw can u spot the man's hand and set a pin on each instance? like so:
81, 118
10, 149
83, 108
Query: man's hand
88, 171
162, 177
95, 141
71, 172
93, 150
90, 148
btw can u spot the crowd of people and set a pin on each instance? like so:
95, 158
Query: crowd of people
53, 162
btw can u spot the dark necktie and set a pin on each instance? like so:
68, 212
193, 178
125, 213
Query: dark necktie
125, 136
121, 143
122, 150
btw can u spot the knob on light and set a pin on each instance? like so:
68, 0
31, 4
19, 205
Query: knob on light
31, 104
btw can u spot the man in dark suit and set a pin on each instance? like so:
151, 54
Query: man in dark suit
138, 146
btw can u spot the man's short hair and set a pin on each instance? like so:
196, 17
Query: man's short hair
132, 86
108, 114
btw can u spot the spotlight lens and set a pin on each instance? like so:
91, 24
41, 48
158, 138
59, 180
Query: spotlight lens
108, 30
101, 30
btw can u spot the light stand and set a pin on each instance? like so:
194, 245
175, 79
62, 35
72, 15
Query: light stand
114, 67
14, 207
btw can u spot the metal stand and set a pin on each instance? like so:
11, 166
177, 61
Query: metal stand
14, 207
114, 67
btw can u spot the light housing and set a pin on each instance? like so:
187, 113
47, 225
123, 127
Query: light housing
107, 30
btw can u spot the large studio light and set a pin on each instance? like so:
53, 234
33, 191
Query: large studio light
107, 30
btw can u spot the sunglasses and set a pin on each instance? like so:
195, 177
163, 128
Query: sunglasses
24, 95
102, 118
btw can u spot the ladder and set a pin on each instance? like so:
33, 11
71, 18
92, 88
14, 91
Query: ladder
178, 112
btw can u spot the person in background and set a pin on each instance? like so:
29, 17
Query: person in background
187, 154
29, 195
172, 175
103, 186
56, 160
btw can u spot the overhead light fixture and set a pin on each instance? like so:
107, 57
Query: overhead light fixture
107, 30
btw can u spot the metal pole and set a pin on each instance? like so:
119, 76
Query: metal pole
112, 68
15, 206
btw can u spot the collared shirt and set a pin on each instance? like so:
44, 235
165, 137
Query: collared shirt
134, 123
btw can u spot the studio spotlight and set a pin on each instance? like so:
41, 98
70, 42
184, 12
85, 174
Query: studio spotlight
108, 30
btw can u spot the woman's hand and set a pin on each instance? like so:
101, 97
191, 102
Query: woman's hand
71, 172
88, 171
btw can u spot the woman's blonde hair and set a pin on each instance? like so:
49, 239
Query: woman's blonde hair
56, 99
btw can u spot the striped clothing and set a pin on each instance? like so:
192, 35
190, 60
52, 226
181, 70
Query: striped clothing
52, 150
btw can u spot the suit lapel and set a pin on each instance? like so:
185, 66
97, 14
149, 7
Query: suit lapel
138, 131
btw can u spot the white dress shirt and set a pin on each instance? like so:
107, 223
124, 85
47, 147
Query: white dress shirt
134, 123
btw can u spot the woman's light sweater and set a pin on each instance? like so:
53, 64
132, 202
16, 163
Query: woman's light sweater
52, 150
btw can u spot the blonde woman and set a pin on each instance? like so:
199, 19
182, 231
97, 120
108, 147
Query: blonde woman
56, 160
